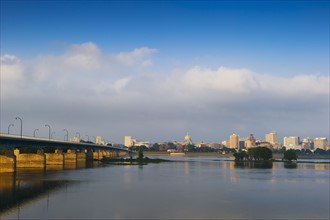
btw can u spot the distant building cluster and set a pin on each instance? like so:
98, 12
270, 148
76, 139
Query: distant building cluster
238, 143
130, 142
98, 140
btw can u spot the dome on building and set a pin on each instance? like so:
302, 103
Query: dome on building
187, 140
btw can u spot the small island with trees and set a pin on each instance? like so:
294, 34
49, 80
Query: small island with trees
263, 154
262, 157
139, 160
254, 154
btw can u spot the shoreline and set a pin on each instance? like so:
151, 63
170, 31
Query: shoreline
215, 154
190, 154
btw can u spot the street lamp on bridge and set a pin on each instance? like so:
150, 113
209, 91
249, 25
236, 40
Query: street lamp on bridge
78, 135
34, 132
67, 135
21, 125
48, 130
9, 127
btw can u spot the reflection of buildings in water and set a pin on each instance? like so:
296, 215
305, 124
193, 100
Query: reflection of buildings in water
233, 177
316, 166
230, 169
276, 165
322, 166
187, 168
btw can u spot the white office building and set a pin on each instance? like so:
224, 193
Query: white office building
291, 142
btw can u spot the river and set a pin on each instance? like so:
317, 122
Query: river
189, 188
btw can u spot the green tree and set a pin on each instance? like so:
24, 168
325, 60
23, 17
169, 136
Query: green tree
260, 153
241, 155
290, 155
171, 145
191, 148
155, 147
140, 155
266, 153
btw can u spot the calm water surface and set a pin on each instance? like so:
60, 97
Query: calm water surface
191, 188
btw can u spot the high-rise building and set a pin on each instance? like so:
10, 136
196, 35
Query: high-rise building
291, 142
75, 139
271, 138
307, 143
99, 141
320, 142
225, 143
233, 141
128, 141
250, 142
241, 143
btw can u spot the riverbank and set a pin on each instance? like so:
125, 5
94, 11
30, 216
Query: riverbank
189, 154
215, 154
132, 161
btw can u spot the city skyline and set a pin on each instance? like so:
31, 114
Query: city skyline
156, 70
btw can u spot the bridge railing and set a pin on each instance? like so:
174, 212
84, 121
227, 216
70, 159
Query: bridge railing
53, 140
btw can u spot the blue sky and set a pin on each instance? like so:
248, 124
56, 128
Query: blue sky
232, 32
263, 40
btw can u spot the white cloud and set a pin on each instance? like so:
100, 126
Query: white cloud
83, 56
137, 55
222, 79
9, 59
83, 87
11, 68
244, 83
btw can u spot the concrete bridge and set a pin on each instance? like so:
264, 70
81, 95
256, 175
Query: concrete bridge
50, 152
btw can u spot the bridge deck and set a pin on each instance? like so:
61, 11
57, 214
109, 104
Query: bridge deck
15, 141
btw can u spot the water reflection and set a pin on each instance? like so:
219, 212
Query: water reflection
254, 164
22, 186
29, 184
289, 165
322, 166
191, 188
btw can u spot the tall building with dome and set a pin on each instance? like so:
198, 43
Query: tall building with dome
187, 140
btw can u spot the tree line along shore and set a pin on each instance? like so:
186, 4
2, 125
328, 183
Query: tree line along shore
230, 155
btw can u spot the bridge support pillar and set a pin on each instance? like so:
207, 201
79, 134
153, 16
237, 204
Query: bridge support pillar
89, 155
37, 160
8, 162
96, 155
56, 158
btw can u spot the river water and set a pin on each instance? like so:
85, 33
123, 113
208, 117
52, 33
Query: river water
190, 188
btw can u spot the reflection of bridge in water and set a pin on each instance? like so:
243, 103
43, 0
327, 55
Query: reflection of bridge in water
24, 186
62, 153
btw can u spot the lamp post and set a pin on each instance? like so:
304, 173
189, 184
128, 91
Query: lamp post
48, 130
78, 135
67, 135
9, 127
34, 133
21, 125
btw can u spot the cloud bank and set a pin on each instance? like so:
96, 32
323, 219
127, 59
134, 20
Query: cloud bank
124, 94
